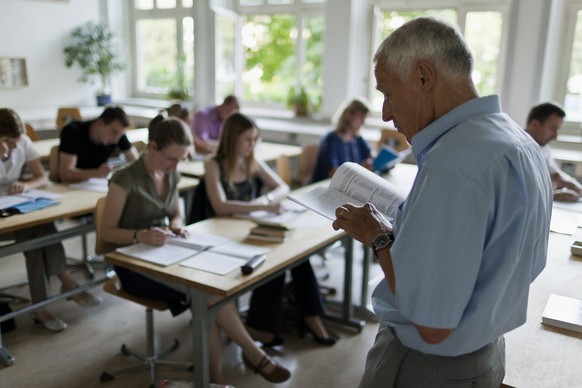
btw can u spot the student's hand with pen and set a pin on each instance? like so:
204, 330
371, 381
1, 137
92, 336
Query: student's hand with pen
104, 170
17, 187
156, 235
178, 231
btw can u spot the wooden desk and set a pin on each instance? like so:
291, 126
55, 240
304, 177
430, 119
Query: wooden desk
201, 285
545, 356
73, 203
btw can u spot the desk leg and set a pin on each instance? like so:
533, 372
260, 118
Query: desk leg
347, 307
199, 309
5, 357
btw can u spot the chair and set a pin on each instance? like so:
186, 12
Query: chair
67, 114
306, 164
394, 139
30, 132
54, 164
152, 359
283, 168
139, 146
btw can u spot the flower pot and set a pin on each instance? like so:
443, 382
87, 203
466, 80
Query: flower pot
103, 99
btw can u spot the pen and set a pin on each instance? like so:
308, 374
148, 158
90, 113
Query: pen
165, 231
254, 262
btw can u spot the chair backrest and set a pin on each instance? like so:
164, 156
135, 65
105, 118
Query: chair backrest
30, 132
394, 139
306, 164
67, 114
54, 164
283, 168
101, 246
139, 146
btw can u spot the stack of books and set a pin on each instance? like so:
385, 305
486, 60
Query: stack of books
272, 233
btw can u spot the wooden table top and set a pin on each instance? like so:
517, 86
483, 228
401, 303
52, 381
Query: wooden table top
73, 203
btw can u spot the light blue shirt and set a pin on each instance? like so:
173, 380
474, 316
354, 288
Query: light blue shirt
472, 234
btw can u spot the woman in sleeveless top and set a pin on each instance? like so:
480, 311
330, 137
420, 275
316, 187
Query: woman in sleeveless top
236, 182
142, 198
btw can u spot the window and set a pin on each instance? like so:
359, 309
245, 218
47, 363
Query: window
164, 48
483, 31
572, 87
280, 47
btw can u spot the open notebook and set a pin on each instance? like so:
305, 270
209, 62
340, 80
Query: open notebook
199, 251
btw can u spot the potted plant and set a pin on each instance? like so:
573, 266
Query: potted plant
96, 52
179, 91
299, 100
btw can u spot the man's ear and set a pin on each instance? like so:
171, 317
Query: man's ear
427, 75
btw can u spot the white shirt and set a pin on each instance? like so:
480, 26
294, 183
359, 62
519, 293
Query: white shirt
11, 169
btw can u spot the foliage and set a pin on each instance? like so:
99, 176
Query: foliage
299, 100
94, 49
270, 43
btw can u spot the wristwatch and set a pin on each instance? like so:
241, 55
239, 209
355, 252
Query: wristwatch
382, 241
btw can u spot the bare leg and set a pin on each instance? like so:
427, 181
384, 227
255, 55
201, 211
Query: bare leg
316, 325
229, 321
214, 354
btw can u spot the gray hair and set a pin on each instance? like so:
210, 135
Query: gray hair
427, 39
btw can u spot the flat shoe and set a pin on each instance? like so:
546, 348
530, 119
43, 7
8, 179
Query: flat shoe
277, 375
54, 325
85, 299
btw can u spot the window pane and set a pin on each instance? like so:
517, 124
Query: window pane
313, 1
156, 54
225, 56
485, 48
251, 2
312, 69
573, 99
187, 3
144, 4
269, 42
280, 1
166, 4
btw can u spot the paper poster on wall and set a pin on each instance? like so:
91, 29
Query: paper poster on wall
13, 73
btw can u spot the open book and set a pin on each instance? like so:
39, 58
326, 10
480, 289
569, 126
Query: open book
177, 248
352, 183
26, 202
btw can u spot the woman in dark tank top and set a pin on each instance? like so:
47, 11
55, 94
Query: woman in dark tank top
238, 183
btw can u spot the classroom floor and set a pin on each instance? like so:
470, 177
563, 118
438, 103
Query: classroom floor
91, 344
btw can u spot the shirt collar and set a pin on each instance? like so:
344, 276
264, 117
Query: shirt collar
424, 139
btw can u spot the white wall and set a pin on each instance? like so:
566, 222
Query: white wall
38, 30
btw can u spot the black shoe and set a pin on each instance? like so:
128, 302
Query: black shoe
304, 328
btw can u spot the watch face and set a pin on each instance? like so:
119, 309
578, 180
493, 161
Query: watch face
382, 241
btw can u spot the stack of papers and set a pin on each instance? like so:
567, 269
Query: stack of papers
93, 184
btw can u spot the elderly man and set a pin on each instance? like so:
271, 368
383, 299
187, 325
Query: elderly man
471, 235
543, 123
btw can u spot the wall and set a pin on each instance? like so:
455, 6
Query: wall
38, 30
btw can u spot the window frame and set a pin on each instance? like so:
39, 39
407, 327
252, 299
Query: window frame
571, 9
178, 13
301, 11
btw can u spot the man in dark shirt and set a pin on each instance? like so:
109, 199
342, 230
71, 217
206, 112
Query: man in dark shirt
86, 146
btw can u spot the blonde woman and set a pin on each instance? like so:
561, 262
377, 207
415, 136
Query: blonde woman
344, 143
